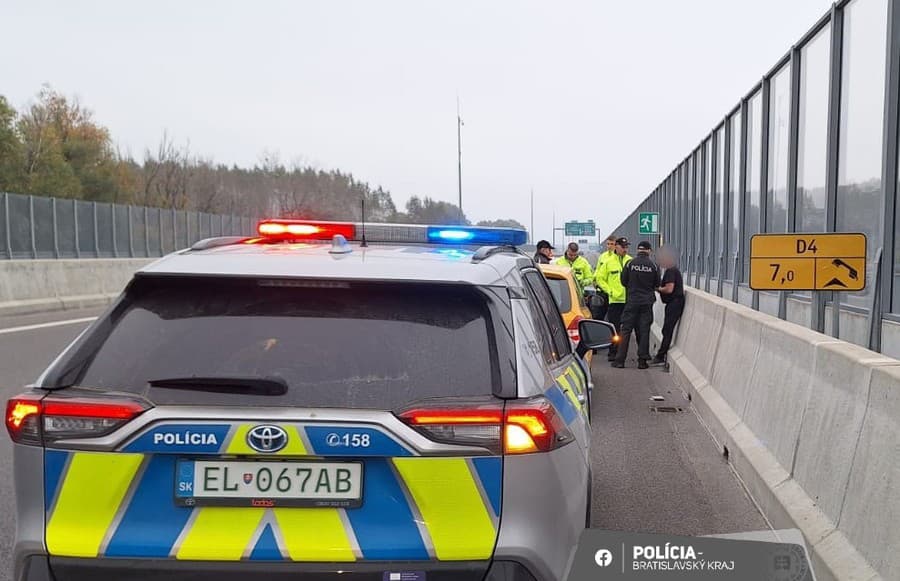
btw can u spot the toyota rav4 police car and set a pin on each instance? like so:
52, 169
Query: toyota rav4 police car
312, 401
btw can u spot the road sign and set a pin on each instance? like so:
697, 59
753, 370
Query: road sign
648, 223
581, 228
835, 262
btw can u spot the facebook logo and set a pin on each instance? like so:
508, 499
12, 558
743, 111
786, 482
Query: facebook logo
603, 558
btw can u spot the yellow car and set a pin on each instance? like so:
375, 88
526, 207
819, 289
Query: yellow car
569, 298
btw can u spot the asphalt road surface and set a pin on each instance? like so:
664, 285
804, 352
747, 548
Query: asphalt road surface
653, 472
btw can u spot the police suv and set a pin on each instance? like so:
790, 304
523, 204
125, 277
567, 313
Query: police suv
384, 402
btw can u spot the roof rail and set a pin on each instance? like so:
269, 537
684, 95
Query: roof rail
208, 243
485, 252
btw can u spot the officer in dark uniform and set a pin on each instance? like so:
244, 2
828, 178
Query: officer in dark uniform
544, 254
641, 279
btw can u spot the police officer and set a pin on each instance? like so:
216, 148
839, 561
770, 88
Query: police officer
579, 264
641, 279
599, 304
608, 280
544, 254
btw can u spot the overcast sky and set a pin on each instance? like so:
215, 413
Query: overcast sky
589, 103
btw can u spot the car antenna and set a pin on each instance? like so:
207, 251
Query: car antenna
363, 244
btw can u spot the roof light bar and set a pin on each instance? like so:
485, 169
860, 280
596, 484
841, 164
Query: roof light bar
286, 229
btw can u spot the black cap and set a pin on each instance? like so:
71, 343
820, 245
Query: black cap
644, 245
623, 242
544, 244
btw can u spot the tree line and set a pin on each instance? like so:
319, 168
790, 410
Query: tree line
54, 147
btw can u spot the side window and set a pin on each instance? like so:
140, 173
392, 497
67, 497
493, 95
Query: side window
544, 338
561, 341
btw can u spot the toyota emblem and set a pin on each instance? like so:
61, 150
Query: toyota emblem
267, 439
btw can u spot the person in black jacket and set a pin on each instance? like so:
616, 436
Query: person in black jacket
544, 254
671, 291
641, 279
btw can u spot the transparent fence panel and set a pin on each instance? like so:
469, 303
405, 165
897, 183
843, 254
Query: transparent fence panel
105, 236
19, 226
181, 229
752, 182
720, 203
65, 228
813, 142
84, 213
138, 232
4, 232
123, 231
860, 197
779, 138
43, 227
734, 204
153, 237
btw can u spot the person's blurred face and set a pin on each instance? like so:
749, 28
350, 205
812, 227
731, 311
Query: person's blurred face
611, 245
548, 252
666, 259
620, 250
571, 254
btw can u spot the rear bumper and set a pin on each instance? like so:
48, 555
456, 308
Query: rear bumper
42, 568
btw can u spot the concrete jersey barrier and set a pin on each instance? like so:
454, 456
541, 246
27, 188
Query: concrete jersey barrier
810, 423
30, 286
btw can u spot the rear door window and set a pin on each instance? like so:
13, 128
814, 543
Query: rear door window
561, 294
370, 346
548, 306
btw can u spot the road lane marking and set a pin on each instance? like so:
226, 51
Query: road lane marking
45, 325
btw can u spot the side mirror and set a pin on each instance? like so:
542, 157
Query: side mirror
595, 335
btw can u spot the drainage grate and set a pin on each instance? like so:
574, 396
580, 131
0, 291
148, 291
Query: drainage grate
665, 409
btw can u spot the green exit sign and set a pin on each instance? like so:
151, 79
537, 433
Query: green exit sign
648, 223
581, 228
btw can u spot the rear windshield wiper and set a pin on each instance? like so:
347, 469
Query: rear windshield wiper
236, 385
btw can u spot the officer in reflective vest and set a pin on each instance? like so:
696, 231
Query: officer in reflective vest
579, 264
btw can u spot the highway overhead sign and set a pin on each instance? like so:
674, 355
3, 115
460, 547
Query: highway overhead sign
648, 223
581, 228
793, 262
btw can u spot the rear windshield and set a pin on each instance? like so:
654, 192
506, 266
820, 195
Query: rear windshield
560, 289
371, 346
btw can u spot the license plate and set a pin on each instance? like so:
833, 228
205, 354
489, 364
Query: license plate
268, 484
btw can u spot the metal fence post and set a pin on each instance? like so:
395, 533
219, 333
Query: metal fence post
174, 229
832, 153
130, 233
187, 228
889, 170
159, 219
75, 223
55, 228
96, 230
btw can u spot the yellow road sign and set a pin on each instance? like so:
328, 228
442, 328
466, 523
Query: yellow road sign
834, 262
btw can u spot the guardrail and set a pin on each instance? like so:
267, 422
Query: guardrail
33, 227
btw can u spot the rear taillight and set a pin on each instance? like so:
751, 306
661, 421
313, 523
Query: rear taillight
522, 427
572, 329
31, 419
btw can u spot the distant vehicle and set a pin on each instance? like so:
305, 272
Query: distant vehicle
300, 403
569, 298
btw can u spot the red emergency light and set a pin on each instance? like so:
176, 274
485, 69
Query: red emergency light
305, 229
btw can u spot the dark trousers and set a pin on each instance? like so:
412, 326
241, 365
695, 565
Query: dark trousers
674, 311
599, 313
637, 319
614, 316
